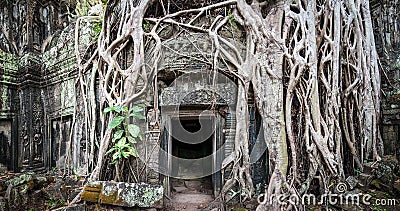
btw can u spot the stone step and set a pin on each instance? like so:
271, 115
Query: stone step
193, 184
191, 201
194, 198
180, 189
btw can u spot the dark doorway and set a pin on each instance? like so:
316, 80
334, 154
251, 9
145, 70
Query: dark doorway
189, 166
191, 163
194, 148
5, 145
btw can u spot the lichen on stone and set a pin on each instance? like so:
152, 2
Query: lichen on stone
19, 180
109, 190
142, 195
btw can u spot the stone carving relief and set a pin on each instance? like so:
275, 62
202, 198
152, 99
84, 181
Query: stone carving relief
37, 127
31, 136
38, 147
26, 146
24, 149
202, 95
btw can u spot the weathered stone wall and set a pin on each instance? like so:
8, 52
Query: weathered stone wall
8, 110
26, 24
387, 35
31, 104
26, 28
59, 87
33, 86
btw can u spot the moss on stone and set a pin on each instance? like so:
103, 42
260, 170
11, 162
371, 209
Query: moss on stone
124, 194
23, 178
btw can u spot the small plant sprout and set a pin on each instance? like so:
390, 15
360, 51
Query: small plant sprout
124, 133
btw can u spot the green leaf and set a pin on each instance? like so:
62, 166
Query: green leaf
116, 121
138, 115
134, 130
117, 135
116, 156
137, 109
126, 109
133, 152
108, 109
110, 150
118, 109
121, 142
131, 139
125, 155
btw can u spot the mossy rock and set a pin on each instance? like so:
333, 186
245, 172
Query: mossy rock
240, 209
124, 194
21, 179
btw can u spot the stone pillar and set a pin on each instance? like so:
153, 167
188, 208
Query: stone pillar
152, 147
32, 144
230, 131
229, 136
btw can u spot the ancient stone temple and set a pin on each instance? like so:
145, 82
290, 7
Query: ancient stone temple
25, 121
387, 33
38, 85
38, 112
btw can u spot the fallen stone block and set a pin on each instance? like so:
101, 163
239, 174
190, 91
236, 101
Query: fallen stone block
352, 182
124, 194
180, 189
24, 191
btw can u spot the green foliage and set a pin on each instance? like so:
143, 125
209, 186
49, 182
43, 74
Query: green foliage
96, 29
125, 134
357, 171
377, 208
232, 21
76, 176
83, 6
146, 26
116, 122
53, 203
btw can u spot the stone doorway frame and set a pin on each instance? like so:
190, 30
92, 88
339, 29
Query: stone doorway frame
218, 140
